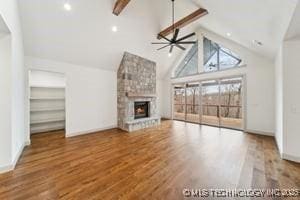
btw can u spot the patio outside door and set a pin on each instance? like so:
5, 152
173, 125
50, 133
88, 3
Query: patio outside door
193, 102
179, 102
210, 102
216, 102
231, 99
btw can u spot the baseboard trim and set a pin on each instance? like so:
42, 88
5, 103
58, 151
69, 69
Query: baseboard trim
6, 168
28, 143
259, 132
278, 147
12, 166
16, 159
290, 157
90, 131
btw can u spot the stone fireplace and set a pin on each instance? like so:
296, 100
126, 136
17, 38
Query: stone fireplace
137, 99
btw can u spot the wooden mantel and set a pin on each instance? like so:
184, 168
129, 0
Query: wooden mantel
140, 95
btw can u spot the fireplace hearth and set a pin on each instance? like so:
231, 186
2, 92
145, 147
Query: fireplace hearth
141, 109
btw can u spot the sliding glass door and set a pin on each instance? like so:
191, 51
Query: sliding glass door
215, 102
231, 103
193, 102
179, 106
210, 102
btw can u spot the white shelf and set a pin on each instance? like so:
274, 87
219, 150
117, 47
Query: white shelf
47, 98
47, 121
43, 130
47, 109
47, 87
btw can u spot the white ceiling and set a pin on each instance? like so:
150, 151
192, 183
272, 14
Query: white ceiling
83, 36
294, 28
3, 28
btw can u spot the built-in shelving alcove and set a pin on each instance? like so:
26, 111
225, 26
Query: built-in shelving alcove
47, 101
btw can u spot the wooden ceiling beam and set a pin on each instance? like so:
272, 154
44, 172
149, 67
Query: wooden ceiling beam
183, 22
119, 6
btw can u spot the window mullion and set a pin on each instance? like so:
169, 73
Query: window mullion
218, 58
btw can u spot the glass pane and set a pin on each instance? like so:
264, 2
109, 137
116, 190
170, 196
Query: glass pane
193, 104
179, 102
231, 103
228, 60
210, 50
217, 57
189, 65
210, 102
212, 63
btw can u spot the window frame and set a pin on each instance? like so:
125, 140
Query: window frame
200, 63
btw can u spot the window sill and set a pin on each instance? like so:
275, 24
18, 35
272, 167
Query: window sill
222, 70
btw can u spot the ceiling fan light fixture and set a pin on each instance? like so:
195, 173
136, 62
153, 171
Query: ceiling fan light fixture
175, 42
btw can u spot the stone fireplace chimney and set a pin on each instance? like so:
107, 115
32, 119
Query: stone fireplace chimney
137, 93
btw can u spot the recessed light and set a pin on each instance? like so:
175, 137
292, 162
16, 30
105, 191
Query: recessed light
114, 29
228, 34
170, 54
67, 7
257, 42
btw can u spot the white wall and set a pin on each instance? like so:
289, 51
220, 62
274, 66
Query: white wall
5, 101
259, 73
287, 92
46, 79
291, 99
288, 100
164, 93
91, 95
10, 14
279, 101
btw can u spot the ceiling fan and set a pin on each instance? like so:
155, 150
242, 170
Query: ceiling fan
174, 41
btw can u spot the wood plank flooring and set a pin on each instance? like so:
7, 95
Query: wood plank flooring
156, 163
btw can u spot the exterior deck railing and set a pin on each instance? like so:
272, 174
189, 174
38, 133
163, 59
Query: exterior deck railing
217, 107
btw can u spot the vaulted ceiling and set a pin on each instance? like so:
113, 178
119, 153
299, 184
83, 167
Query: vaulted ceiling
294, 27
83, 36
3, 28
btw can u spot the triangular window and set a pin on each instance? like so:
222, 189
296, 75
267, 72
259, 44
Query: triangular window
189, 65
218, 58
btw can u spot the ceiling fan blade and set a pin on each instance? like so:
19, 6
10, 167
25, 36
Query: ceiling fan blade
160, 42
163, 47
176, 34
186, 37
164, 37
171, 48
180, 47
187, 42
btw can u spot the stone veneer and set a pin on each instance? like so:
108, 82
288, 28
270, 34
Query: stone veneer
136, 75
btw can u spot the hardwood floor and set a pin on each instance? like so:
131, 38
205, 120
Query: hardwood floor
157, 163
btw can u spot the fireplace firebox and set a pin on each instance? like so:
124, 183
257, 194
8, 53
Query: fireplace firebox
141, 109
